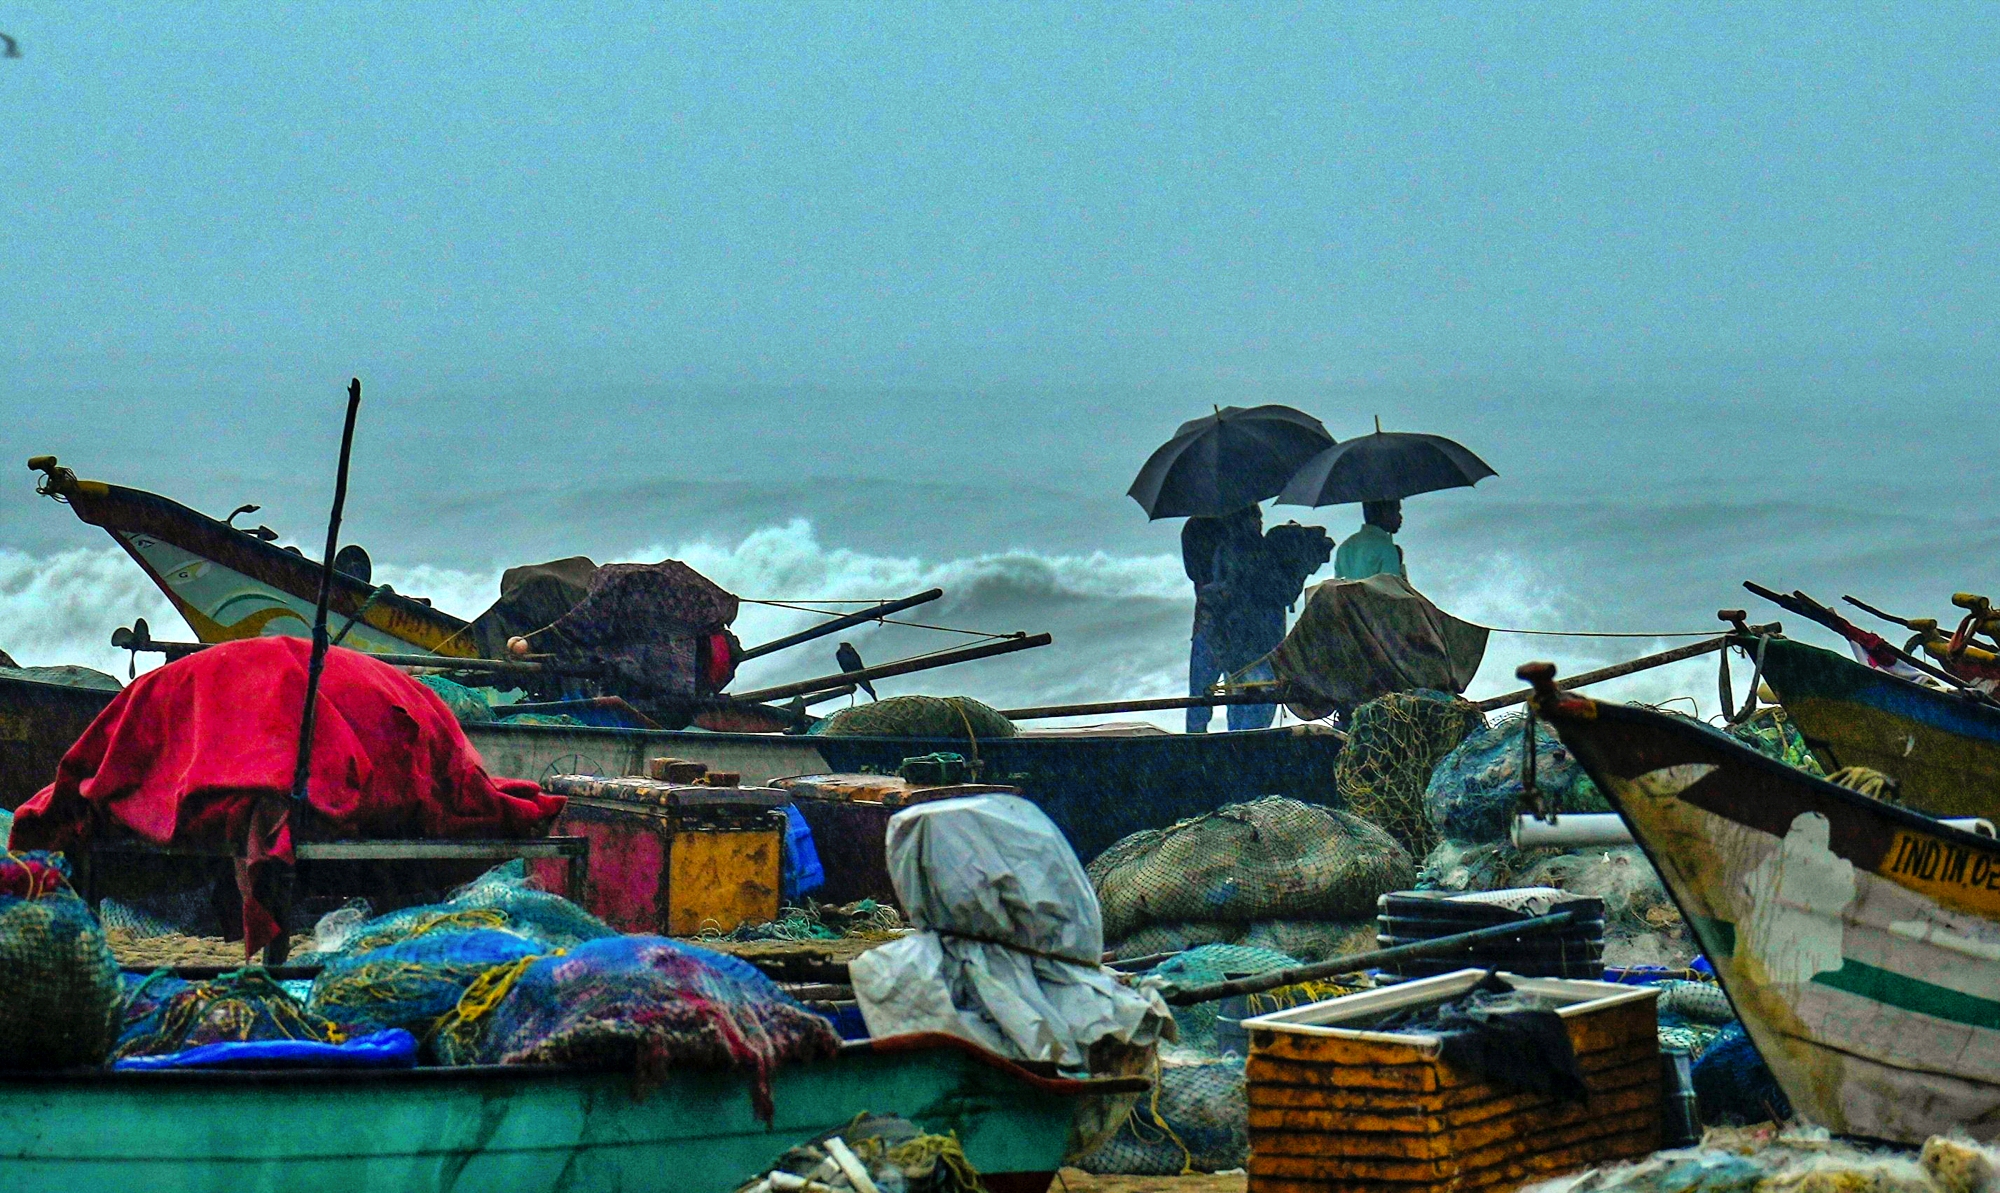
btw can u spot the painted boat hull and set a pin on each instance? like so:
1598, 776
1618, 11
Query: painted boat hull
1858, 941
514, 1129
1943, 749
39, 722
1096, 789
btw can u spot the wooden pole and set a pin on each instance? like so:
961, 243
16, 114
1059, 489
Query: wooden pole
1356, 962
302, 768
872, 613
1161, 704
1617, 670
903, 667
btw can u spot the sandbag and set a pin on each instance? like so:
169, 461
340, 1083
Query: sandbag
1475, 791
1274, 858
59, 987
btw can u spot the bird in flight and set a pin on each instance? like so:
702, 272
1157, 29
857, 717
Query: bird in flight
850, 660
13, 49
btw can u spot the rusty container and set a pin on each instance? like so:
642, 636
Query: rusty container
1337, 1107
671, 859
849, 818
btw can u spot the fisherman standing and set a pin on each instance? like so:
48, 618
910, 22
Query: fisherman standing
1244, 584
1372, 550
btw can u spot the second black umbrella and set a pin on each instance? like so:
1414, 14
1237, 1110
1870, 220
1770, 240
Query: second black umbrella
1385, 466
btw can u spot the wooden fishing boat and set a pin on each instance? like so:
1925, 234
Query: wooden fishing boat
1858, 941
230, 583
521, 1129
1096, 789
1943, 748
38, 723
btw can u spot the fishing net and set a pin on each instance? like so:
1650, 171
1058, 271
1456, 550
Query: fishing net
413, 983
895, 1153
1475, 792
1641, 924
636, 1003
59, 988
466, 704
1770, 731
1197, 1119
1490, 866
1206, 965
1799, 1159
1274, 858
245, 1005
917, 716
502, 898
1311, 940
1393, 744
1732, 1084
1154, 939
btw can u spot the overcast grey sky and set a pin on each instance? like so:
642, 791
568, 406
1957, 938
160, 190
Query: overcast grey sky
937, 277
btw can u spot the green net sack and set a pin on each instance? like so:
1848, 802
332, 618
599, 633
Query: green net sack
1197, 1119
1204, 966
503, 898
1311, 940
59, 987
918, 716
466, 704
1771, 732
1274, 858
1392, 747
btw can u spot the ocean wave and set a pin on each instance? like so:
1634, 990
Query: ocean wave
1120, 622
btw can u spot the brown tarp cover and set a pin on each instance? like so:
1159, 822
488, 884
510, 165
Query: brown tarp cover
645, 624
531, 597
1359, 639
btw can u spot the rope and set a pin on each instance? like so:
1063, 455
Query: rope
368, 604
482, 996
920, 625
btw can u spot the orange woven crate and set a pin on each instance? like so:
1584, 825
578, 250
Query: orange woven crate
1337, 1109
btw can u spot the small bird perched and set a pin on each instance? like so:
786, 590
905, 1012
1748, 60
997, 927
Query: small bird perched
850, 660
13, 49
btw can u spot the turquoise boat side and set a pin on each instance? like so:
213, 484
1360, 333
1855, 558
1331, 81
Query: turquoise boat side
512, 1129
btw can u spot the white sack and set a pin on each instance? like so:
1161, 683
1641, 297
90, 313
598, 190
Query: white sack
1009, 943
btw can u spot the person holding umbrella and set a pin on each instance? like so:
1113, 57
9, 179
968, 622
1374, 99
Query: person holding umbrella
1214, 471
1372, 550
1378, 471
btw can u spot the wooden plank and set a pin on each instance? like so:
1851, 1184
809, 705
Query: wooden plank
1293, 1108
1493, 1180
411, 850
1506, 1154
1543, 1116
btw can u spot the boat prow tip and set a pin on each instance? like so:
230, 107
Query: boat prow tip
1548, 699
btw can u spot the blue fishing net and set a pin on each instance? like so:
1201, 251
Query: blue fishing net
1475, 792
641, 1004
244, 1005
465, 703
1734, 1087
502, 898
59, 988
412, 983
1205, 965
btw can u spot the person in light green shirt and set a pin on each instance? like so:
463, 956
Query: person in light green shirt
1371, 551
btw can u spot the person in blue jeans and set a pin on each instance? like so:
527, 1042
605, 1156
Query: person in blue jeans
1239, 609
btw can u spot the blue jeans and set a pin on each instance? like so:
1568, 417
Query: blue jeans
1203, 670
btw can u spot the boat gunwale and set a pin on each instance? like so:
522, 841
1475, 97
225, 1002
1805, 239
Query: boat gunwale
430, 1075
1942, 698
1700, 731
1240, 736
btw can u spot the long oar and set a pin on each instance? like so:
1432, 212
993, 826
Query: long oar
943, 658
303, 767
1182, 996
872, 613
1616, 670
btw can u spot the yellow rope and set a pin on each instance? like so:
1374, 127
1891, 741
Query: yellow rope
482, 996
928, 1151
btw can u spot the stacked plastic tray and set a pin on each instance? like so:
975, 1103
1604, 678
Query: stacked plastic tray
1575, 950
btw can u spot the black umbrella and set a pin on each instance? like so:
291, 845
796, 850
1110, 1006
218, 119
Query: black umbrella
1385, 466
1227, 460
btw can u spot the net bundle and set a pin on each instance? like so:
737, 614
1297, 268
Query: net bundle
1197, 1119
1393, 745
59, 987
503, 899
245, 1005
412, 983
1270, 859
918, 716
1475, 791
642, 1004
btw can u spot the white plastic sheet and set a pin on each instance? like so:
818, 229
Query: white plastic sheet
1009, 943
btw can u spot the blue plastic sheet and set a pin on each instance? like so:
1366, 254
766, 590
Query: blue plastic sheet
803, 873
393, 1049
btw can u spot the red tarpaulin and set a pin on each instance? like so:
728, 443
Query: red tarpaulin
199, 754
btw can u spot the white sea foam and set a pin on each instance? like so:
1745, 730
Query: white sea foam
1120, 622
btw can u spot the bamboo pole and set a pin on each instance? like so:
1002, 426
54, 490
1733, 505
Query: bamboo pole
872, 613
1617, 670
902, 667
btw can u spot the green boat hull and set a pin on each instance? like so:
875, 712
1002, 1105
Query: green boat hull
1943, 749
514, 1129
